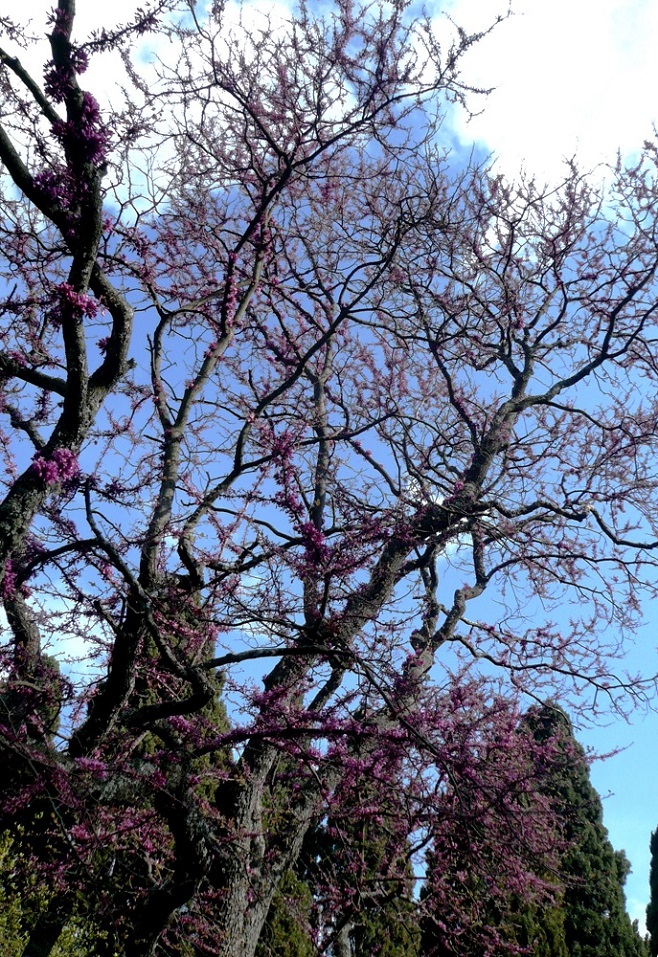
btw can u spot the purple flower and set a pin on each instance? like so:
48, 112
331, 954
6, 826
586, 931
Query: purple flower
8, 586
60, 467
69, 300
87, 136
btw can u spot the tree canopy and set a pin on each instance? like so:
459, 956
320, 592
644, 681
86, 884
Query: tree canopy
652, 909
311, 432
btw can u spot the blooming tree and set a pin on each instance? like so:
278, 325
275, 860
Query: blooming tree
285, 389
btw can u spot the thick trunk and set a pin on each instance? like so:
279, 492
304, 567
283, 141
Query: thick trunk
342, 946
259, 858
151, 921
47, 931
243, 922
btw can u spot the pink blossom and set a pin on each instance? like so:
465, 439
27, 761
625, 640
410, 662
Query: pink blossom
69, 301
94, 765
60, 467
8, 585
86, 136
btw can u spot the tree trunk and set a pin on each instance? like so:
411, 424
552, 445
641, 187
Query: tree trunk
47, 931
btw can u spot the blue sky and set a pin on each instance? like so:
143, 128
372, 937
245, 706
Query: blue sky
572, 77
579, 77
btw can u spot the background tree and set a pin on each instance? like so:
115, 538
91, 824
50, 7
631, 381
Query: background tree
582, 911
358, 866
287, 930
652, 909
472, 902
22, 900
592, 872
352, 889
365, 386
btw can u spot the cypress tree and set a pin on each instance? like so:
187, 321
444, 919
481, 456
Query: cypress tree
286, 931
21, 899
587, 917
652, 909
372, 911
593, 873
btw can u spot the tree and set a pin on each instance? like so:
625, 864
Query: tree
286, 930
357, 866
652, 909
274, 363
477, 901
21, 901
582, 912
591, 871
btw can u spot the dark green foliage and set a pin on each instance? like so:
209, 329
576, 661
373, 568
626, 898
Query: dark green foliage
354, 889
381, 920
587, 916
287, 930
373, 922
652, 909
540, 929
40, 828
592, 872
387, 930
20, 902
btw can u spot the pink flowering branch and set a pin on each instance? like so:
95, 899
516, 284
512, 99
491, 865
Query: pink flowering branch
61, 466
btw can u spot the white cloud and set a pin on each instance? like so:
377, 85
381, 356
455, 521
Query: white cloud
571, 76
75, 650
637, 910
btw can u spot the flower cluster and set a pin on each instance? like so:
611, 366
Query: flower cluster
61, 21
86, 136
231, 294
315, 543
56, 185
8, 584
17, 357
62, 466
93, 765
59, 79
69, 300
